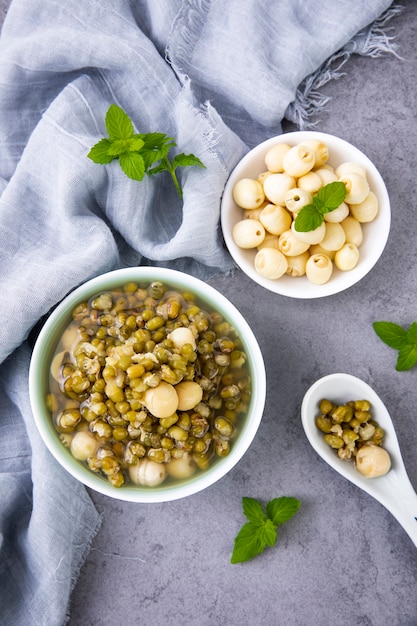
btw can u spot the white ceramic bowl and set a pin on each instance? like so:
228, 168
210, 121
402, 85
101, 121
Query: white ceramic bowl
39, 375
375, 233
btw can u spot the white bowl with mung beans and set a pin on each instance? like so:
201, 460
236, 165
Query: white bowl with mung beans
305, 214
147, 384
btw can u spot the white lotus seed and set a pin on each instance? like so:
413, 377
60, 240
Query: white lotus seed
357, 188
347, 257
270, 241
320, 149
276, 186
248, 233
189, 394
299, 160
180, 336
350, 167
367, 210
372, 461
83, 445
319, 269
290, 245
334, 238
253, 214
56, 364
297, 264
274, 157
161, 401
147, 473
317, 249
248, 193
69, 336
337, 215
353, 230
270, 263
326, 175
275, 219
184, 467
261, 177
296, 198
311, 236
310, 182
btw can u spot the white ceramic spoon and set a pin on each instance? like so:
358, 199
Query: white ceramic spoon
393, 490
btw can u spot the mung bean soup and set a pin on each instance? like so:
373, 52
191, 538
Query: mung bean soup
148, 384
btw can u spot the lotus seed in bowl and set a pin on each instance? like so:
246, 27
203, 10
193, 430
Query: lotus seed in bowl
270, 187
147, 384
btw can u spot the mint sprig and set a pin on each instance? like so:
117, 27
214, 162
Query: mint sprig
328, 198
405, 341
261, 529
138, 153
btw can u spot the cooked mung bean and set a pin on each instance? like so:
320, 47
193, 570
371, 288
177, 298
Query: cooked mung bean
116, 381
349, 427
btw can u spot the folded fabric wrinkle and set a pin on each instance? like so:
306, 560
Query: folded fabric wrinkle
177, 68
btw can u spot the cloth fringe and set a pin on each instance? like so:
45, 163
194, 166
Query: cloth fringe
373, 41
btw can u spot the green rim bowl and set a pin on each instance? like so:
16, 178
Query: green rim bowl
39, 375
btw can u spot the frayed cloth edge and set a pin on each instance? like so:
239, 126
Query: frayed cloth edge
374, 42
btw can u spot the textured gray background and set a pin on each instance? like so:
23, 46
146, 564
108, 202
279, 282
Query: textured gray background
343, 559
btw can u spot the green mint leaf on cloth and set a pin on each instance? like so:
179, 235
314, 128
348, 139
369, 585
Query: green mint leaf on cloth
138, 153
186, 160
405, 341
118, 123
328, 198
132, 165
99, 153
135, 143
261, 530
118, 147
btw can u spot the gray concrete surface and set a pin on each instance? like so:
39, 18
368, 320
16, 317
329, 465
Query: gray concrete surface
343, 560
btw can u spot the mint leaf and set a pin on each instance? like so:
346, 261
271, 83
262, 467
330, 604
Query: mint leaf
135, 143
282, 509
405, 341
253, 510
99, 153
138, 153
309, 218
156, 141
407, 357
268, 533
184, 160
132, 165
261, 530
118, 147
118, 123
412, 333
392, 334
330, 196
248, 543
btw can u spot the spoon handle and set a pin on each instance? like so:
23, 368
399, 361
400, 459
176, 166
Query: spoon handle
402, 503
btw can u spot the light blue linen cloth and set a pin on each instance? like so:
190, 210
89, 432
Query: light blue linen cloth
219, 77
